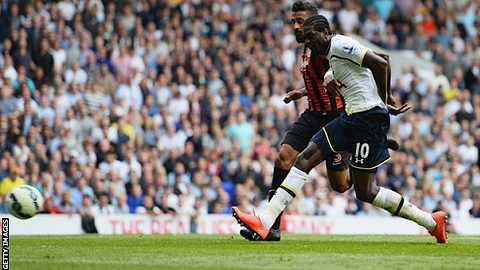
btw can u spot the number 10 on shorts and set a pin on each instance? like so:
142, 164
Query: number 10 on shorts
361, 152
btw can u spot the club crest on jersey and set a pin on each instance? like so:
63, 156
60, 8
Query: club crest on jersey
348, 48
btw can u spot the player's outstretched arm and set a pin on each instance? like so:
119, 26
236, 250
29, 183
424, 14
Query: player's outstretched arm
295, 94
379, 68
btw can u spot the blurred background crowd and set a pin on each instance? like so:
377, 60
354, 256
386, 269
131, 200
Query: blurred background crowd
176, 106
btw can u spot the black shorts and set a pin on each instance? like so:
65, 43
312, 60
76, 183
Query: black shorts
364, 134
306, 126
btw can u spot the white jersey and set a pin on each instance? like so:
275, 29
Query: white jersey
359, 87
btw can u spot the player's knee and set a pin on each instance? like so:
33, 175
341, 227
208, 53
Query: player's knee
301, 163
286, 157
306, 159
340, 186
339, 180
365, 194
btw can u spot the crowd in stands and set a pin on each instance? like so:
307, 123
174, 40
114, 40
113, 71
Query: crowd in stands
176, 106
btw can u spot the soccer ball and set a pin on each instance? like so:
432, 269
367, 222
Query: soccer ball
24, 202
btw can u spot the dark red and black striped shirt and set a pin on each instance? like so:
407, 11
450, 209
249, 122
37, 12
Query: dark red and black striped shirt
313, 69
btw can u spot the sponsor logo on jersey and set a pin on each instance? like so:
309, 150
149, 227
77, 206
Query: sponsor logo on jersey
348, 48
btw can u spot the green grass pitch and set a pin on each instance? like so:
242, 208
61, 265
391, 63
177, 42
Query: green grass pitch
233, 252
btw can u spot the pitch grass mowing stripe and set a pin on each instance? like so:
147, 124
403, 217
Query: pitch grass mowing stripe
233, 252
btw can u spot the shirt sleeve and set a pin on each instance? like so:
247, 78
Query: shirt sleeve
350, 49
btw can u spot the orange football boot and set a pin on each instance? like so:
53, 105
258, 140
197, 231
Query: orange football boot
439, 233
252, 223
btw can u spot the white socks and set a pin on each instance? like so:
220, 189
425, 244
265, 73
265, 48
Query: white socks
284, 195
386, 199
396, 205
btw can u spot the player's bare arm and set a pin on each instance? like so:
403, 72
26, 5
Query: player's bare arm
295, 95
330, 84
379, 68
390, 97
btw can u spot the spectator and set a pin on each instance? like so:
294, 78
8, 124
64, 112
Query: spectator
106, 80
23, 81
348, 18
114, 182
91, 68
121, 206
374, 29
135, 199
164, 205
75, 74
21, 151
10, 182
243, 131
43, 60
57, 193
66, 205
68, 9
44, 111
148, 207
178, 104
73, 52
49, 207
79, 191
59, 56
22, 57
7, 101
472, 81
95, 99
103, 207
171, 140
112, 163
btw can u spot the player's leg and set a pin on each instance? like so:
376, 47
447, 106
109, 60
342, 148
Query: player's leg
308, 158
366, 190
369, 148
338, 171
283, 162
295, 140
260, 225
288, 190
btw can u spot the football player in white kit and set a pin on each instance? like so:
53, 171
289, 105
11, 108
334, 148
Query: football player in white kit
361, 129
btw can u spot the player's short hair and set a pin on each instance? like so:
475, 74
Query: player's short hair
309, 7
319, 23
